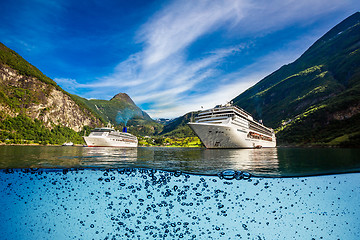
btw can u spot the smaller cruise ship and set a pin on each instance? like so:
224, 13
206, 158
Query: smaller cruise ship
228, 126
109, 137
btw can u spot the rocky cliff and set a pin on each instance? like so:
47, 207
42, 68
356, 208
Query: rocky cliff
24, 90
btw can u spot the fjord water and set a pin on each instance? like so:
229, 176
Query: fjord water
266, 162
107, 193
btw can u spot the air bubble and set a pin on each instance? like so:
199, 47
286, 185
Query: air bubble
177, 173
246, 175
239, 175
9, 170
228, 174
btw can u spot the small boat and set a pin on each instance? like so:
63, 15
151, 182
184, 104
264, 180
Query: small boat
68, 144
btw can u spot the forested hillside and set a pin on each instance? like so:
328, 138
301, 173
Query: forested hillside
316, 99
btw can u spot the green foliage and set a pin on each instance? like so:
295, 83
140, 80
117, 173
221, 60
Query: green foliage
142, 127
17, 98
181, 132
342, 133
21, 130
170, 141
352, 141
82, 102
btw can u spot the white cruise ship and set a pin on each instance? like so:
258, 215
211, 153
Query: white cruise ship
228, 126
109, 137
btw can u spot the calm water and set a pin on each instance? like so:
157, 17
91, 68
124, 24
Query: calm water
269, 162
107, 193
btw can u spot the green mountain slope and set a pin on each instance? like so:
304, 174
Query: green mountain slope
316, 99
178, 127
34, 109
122, 111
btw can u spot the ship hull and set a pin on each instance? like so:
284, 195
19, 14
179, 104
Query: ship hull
227, 136
108, 142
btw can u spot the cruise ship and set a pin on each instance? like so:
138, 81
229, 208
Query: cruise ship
109, 137
228, 126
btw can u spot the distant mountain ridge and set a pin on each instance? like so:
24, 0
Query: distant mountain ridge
315, 99
178, 127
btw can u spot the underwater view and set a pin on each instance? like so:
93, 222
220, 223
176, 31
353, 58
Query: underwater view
124, 197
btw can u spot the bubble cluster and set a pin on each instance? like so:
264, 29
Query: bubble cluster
231, 174
152, 204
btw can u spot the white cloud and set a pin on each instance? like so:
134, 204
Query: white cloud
183, 22
162, 76
68, 83
220, 95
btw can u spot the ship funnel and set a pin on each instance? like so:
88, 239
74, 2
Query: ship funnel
125, 129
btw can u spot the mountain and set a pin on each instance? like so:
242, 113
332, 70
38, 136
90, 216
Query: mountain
316, 99
32, 106
178, 127
122, 111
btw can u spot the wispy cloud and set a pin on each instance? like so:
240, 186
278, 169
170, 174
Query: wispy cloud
161, 75
183, 22
164, 77
71, 84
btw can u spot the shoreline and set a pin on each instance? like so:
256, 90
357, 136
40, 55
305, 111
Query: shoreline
167, 146
37, 144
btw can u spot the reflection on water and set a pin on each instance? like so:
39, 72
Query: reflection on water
107, 157
260, 161
201, 161
269, 162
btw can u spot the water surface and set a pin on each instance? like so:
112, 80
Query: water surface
269, 162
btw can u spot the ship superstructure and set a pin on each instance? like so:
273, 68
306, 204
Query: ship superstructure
228, 126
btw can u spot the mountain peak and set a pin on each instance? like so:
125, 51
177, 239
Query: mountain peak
123, 97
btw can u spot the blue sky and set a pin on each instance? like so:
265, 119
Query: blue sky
171, 57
